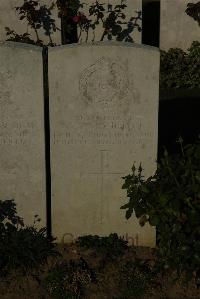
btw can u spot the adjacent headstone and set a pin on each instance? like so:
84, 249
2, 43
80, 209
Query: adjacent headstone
10, 17
177, 29
104, 117
126, 27
22, 151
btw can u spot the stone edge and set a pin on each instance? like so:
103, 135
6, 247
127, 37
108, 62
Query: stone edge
13, 44
105, 44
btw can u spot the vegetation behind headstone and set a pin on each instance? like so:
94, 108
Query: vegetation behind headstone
179, 69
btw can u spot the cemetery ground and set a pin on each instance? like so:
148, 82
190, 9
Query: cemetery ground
110, 271
92, 267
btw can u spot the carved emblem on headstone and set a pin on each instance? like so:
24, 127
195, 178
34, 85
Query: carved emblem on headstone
104, 83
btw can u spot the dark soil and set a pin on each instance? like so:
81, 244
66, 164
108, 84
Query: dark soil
109, 284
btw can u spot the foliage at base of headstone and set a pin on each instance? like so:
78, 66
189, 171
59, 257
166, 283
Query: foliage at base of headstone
170, 200
110, 246
179, 69
24, 249
68, 280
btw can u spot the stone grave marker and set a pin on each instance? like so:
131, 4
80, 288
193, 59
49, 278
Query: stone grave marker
22, 150
104, 117
177, 32
10, 17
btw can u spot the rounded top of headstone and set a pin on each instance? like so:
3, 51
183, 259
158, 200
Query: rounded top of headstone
13, 44
106, 44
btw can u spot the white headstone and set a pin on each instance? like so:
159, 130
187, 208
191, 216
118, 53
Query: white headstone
22, 150
10, 17
104, 118
177, 29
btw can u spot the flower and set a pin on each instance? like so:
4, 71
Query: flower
76, 19
79, 18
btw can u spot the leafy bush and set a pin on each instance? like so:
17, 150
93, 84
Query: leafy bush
179, 69
23, 249
170, 200
68, 280
111, 246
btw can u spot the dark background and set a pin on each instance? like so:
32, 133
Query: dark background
179, 115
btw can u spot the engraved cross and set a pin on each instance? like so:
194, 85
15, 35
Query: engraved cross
102, 174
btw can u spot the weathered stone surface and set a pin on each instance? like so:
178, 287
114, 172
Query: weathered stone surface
177, 29
9, 17
22, 154
104, 118
130, 22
